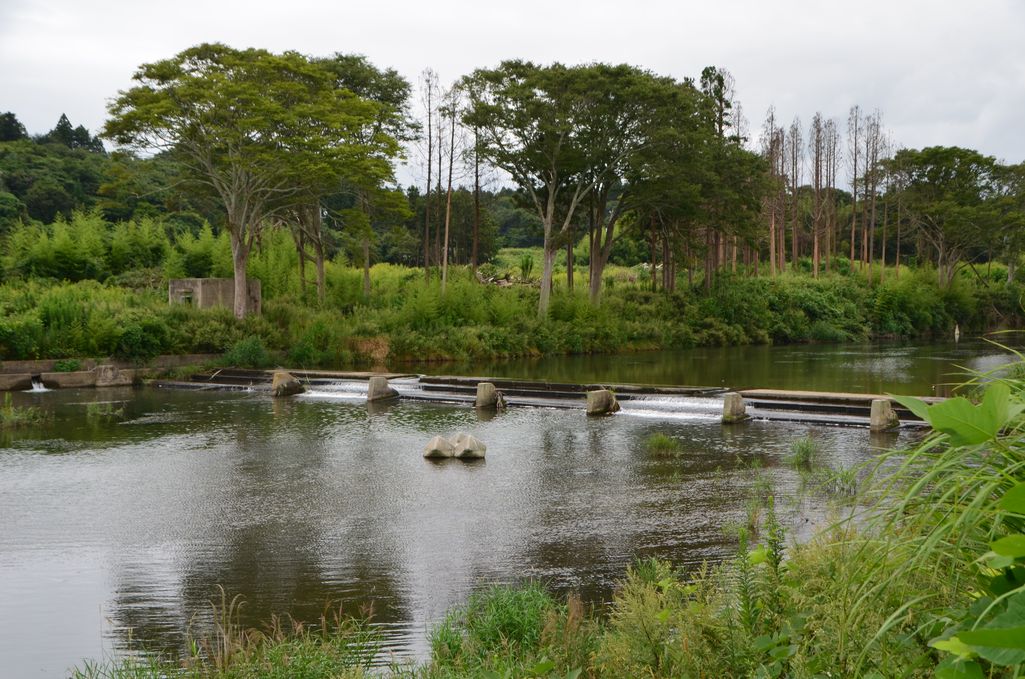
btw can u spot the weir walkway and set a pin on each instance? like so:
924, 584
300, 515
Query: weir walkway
676, 402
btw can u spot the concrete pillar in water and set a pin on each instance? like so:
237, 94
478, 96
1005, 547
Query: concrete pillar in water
489, 397
378, 389
601, 402
882, 416
733, 408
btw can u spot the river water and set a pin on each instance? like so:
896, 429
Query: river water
115, 533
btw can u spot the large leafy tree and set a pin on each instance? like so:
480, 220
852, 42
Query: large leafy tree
950, 194
366, 186
561, 133
11, 128
263, 131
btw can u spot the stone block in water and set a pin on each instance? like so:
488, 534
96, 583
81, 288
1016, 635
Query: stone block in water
733, 408
468, 447
602, 402
882, 416
489, 397
378, 389
439, 448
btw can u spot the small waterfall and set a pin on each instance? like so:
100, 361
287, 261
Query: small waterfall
37, 385
673, 407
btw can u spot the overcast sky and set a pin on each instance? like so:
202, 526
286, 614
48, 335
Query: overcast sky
950, 73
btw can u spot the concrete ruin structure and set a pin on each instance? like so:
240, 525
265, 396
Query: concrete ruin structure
206, 293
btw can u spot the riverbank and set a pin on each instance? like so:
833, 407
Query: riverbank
405, 319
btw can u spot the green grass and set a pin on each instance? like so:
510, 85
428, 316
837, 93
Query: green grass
662, 445
804, 452
14, 417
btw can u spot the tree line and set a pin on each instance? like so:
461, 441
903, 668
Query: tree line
594, 154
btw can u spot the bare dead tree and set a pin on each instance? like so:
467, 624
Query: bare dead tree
870, 182
772, 150
816, 148
795, 155
428, 86
854, 134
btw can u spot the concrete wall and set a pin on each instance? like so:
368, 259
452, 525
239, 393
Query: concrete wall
207, 293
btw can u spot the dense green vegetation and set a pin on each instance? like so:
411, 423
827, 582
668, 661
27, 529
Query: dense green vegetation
89, 287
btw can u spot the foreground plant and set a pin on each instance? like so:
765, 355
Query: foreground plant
967, 509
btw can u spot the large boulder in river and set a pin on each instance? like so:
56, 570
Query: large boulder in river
439, 448
285, 384
378, 389
468, 447
488, 397
602, 402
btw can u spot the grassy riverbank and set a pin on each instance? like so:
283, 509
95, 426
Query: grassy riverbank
405, 318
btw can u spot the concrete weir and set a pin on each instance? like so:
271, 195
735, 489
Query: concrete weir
874, 411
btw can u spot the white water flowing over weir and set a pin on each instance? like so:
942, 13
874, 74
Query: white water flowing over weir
37, 385
660, 406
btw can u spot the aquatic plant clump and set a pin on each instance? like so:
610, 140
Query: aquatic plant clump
660, 444
803, 452
12, 416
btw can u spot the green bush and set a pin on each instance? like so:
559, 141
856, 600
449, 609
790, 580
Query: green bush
248, 353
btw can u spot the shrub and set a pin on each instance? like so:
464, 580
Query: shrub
248, 353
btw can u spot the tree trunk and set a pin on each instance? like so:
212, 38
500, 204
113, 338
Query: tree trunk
239, 257
366, 268
476, 203
546, 276
569, 264
427, 196
321, 278
654, 264
448, 201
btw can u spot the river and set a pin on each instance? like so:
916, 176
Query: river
115, 533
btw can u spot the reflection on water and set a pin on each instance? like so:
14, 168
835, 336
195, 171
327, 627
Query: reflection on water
922, 370
113, 531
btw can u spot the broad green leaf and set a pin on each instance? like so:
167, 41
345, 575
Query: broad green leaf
955, 646
915, 405
965, 423
1006, 581
955, 669
573, 674
542, 668
757, 556
1002, 642
1011, 545
1005, 637
1014, 500
997, 561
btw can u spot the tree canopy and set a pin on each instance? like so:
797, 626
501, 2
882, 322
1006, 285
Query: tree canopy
264, 131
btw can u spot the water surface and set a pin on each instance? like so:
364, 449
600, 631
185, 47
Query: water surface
115, 534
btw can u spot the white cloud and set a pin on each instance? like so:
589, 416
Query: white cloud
942, 72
